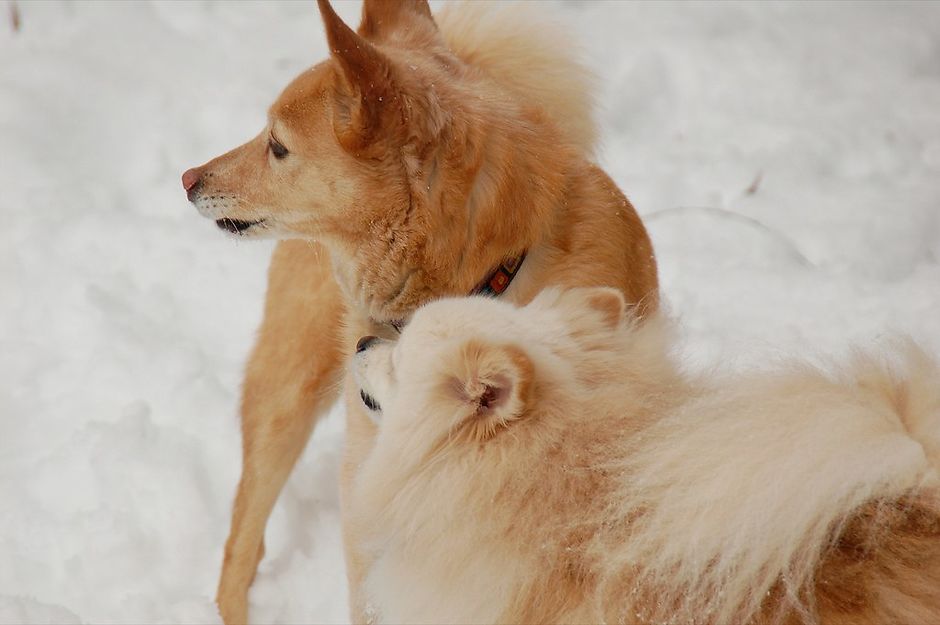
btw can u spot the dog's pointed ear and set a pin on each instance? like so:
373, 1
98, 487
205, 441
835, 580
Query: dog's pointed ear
367, 93
608, 302
494, 383
601, 302
381, 17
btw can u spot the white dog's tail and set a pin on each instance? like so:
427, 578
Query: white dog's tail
756, 494
527, 55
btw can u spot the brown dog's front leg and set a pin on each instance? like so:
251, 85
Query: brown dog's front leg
292, 377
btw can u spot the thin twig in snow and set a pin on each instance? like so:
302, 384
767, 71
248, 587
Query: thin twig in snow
15, 16
751, 190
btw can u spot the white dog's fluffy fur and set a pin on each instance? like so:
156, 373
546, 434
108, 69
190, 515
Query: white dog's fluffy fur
553, 464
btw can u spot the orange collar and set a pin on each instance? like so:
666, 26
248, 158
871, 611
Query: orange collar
502, 276
493, 286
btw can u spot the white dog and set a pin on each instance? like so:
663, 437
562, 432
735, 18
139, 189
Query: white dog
552, 464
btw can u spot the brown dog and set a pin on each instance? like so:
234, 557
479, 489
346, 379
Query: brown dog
424, 158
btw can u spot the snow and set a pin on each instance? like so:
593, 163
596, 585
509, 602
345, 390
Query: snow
126, 318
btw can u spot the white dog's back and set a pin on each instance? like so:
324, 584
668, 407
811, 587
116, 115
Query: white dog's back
749, 487
627, 492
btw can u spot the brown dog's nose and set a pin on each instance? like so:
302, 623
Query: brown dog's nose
365, 342
190, 179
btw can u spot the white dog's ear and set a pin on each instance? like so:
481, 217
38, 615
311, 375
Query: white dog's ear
494, 382
609, 304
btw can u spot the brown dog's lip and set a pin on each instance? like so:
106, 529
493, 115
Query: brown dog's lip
236, 226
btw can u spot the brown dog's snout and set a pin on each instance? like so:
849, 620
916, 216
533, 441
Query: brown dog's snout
365, 343
191, 180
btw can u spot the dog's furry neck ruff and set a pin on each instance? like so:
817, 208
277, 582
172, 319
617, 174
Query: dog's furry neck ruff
493, 285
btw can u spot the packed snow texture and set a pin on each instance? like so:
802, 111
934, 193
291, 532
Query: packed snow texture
785, 157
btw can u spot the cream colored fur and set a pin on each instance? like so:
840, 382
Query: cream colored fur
746, 486
515, 45
597, 483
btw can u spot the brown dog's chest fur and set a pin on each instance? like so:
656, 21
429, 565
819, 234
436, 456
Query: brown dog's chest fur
590, 236
500, 183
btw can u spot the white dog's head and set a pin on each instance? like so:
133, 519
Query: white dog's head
471, 366
490, 421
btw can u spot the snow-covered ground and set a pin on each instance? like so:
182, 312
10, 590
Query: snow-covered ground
786, 158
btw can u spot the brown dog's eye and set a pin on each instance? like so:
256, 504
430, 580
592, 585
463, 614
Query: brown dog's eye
278, 150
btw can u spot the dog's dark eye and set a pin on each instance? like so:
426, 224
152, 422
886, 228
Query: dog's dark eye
278, 150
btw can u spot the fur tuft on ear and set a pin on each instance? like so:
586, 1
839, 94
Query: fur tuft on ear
382, 17
607, 303
610, 303
370, 98
494, 382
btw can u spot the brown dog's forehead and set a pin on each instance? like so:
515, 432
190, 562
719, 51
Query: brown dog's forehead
303, 96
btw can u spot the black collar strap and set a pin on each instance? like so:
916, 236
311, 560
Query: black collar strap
493, 286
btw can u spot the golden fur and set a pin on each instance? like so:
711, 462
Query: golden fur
552, 464
404, 168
